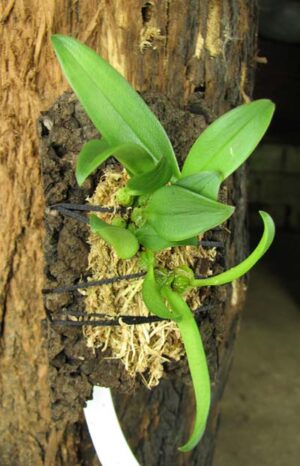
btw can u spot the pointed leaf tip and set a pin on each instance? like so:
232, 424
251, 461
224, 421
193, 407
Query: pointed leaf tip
241, 269
229, 141
114, 107
197, 362
177, 213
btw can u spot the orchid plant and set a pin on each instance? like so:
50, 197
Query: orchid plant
169, 206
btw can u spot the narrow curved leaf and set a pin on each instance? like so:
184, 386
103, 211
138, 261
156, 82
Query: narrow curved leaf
249, 262
148, 237
197, 362
229, 141
177, 213
133, 157
114, 107
152, 297
152, 180
121, 240
205, 183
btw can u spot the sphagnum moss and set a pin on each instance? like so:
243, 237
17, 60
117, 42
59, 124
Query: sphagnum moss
142, 348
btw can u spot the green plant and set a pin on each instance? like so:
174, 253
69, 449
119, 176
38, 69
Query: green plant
171, 207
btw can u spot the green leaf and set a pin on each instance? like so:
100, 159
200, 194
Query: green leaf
114, 107
152, 297
187, 242
148, 237
122, 241
197, 362
205, 183
152, 180
177, 213
133, 157
229, 141
249, 262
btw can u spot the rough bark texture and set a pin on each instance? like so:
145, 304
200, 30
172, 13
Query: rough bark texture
201, 55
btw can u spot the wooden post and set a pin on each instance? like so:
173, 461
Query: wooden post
199, 54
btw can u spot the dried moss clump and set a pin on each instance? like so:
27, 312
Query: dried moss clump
142, 348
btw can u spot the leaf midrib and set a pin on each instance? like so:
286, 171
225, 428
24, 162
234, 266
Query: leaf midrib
110, 102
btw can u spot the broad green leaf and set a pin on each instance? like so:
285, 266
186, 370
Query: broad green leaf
122, 241
148, 237
114, 107
177, 213
229, 141
249, 262
149, 182
205, 183
133, 157
197, 362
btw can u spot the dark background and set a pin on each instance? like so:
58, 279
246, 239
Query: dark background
260, 421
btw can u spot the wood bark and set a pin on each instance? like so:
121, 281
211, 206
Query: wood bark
201, 55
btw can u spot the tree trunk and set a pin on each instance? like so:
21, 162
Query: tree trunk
199, 54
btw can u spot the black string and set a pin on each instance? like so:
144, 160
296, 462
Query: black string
70, 213
109, 321
84, 207
103, 281
67, 209
129, 320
